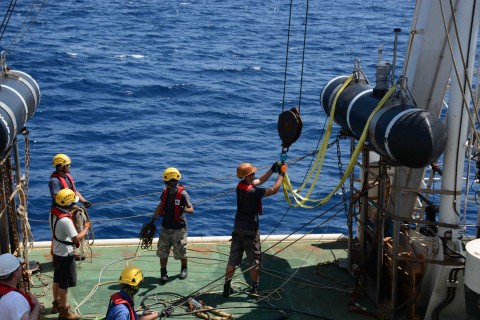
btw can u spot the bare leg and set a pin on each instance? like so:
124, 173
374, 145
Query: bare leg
63, 296
229, 272
55, 291
163, 262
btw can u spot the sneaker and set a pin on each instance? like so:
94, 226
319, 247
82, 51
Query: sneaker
163, 279
183, 274
254, 292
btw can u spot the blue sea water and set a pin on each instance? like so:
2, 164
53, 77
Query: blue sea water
130, 88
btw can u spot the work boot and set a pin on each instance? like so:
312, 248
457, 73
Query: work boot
66, 314
254, 290
163, 276
55, 306
227, 290
183, 273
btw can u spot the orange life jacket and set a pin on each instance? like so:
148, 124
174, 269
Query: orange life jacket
176, 208
63, 181
4, 289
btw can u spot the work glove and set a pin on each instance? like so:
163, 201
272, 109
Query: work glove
283, 169
87, 204
274, 167
87, 224
166, 312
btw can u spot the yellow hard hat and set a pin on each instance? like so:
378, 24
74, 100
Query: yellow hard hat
131, 276
171, 173
66, 197
61, 159
245, 169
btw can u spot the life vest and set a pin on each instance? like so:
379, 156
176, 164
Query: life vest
245, 187
177, 210
60, 214
63, 181
4, 289
117, 298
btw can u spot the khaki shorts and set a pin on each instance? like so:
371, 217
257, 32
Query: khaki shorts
176, 238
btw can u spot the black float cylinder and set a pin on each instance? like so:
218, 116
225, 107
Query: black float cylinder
19, 97
404, 134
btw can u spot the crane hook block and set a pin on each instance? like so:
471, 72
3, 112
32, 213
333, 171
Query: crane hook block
289, 126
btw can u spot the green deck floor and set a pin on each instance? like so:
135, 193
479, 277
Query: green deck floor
298, 276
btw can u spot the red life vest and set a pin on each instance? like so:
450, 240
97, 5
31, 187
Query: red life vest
176, 208
245, 187
118, 299
60, 214
63, 181
4, 289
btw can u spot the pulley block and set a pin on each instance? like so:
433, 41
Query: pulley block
289, 127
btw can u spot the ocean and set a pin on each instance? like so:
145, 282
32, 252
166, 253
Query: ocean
130, 88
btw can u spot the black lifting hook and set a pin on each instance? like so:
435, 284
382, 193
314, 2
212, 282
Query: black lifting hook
289, 127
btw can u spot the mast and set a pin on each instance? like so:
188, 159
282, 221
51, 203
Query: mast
447, 36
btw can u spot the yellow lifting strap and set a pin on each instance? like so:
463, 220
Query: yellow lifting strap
301, 201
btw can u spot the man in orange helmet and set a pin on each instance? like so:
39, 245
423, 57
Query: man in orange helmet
246, 233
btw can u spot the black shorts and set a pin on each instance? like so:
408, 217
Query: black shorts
65, 271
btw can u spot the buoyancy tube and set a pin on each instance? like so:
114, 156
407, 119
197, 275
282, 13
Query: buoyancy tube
403, 133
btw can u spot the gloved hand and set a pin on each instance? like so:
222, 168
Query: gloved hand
87, 224
87, 204
274, 167
166, 312
283, 169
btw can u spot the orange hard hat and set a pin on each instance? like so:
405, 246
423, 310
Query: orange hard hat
245, 169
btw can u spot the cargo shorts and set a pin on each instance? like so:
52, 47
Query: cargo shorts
176, 238
247, 241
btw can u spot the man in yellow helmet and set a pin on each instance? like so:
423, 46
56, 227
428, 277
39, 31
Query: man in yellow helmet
62, 179
64, 240
174, 202
122, 306
246, 229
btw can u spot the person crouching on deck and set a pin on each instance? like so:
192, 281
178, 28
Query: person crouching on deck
122, 307
64, 240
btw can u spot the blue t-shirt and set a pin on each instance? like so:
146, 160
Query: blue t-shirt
120, 311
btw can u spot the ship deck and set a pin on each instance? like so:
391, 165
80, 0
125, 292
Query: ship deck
299, 280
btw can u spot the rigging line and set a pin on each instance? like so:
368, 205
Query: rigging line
305, 224
32, 20
287, 280
6, 18
245, 262
303, 57
197, 185
286, 55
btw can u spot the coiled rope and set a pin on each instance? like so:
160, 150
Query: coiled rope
147, 234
